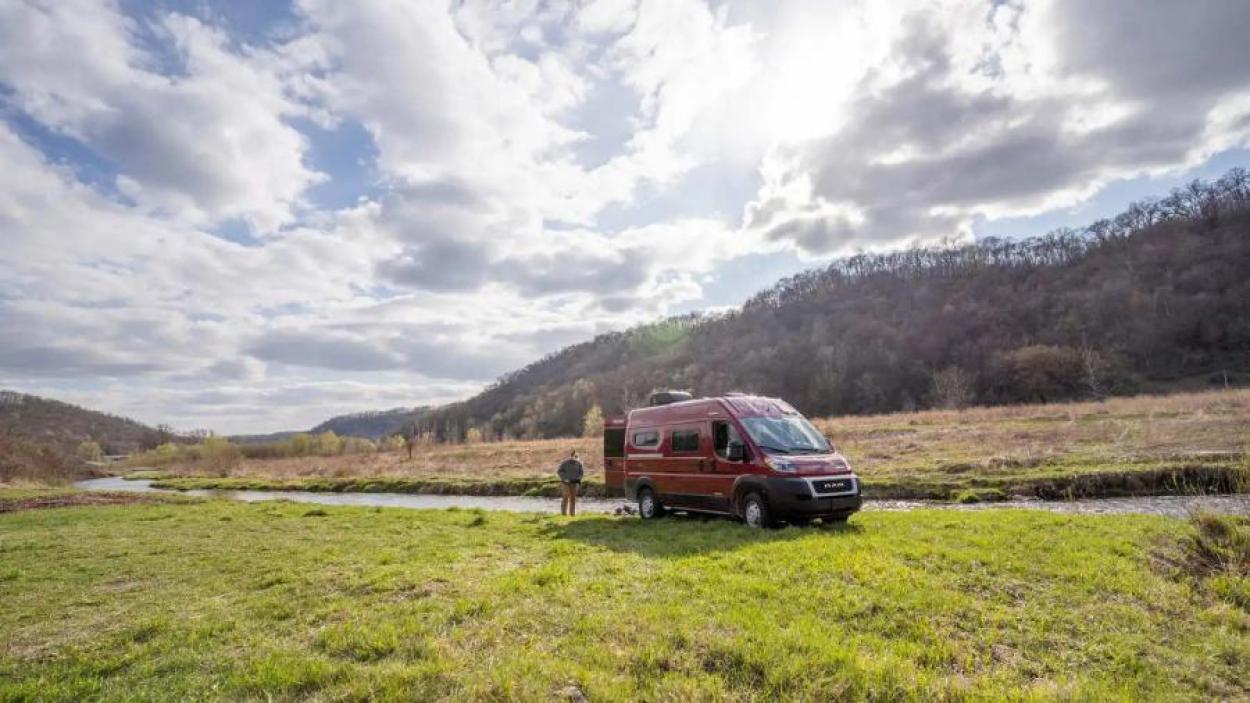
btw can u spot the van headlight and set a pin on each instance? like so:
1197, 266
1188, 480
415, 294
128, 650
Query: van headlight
840, 465
779, 464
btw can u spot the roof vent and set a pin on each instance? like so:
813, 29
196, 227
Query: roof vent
667, 397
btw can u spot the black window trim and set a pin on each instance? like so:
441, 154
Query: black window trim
698, 439
733, 430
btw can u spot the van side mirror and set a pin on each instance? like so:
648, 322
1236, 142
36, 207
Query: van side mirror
735, 451
829, 439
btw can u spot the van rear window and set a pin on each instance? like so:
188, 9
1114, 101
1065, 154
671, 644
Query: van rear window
647, 439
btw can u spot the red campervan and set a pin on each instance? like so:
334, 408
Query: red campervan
753, 457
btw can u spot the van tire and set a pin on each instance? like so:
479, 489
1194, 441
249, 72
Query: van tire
755, 512
649, 506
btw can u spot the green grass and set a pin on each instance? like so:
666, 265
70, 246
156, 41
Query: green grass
16, 493
234, 601
24, 498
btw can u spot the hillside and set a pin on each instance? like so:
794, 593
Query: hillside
372, 425
1157, 298
61, 425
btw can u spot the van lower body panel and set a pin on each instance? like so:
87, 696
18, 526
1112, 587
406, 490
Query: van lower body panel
795, 497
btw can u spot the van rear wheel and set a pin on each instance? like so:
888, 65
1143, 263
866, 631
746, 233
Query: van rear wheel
755, 512
649, 506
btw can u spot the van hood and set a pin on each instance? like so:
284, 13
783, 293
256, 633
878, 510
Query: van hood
813, 464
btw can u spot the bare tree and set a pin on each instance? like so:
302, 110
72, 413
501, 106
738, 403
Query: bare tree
952, 388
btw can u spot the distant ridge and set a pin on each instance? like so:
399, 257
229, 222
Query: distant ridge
262, 438
373, 425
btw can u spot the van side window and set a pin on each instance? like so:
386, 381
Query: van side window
722, 434
647, 439
685, 440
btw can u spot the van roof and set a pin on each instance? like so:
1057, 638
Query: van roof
705, 408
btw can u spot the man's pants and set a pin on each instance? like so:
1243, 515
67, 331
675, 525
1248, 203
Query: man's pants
568, 498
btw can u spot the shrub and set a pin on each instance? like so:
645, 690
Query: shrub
90, 451
306, 444
160, 455
592, 423
358, 445
328, 444
217, 453
23, 460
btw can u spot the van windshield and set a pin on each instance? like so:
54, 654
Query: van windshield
788, 434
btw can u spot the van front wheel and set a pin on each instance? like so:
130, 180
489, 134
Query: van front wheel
755, 511
649, 506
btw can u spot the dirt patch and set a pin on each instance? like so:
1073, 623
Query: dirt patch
69, 500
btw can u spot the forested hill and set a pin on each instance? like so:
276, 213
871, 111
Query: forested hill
65, 426
1156, 297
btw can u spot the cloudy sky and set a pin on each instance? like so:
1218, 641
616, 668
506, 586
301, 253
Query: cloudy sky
251, 216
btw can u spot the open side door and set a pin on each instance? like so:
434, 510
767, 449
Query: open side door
614, 455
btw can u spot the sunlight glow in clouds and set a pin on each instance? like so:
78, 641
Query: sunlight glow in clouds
523, 175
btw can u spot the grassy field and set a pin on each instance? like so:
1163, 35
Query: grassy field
280, 601
1152, 444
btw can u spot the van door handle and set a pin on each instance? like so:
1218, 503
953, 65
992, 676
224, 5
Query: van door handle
713, 464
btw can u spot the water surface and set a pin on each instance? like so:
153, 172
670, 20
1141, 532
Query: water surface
1172, 506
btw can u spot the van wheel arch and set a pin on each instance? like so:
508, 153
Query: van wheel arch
745, 488
640, 484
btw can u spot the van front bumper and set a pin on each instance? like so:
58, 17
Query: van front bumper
795, 497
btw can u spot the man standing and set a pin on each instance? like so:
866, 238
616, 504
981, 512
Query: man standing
410, 442
570, 473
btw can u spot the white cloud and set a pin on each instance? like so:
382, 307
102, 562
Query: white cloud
974, 112
205, 143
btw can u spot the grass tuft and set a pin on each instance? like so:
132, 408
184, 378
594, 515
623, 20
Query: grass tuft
1215, 555
980, 495
1218, 544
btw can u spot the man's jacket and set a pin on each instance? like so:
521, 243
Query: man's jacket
570, 470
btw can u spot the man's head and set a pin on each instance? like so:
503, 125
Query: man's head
573, 454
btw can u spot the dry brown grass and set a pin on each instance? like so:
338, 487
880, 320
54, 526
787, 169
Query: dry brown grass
514, 460
947, 447
1185, 427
